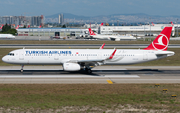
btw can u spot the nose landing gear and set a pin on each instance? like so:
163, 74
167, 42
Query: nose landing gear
22, 68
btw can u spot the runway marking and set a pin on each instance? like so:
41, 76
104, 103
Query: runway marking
109, 81
69, 76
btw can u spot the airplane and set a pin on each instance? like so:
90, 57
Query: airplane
110, 37
2, 26
122, 37
86, 59
98, 36
17, 27
7, 36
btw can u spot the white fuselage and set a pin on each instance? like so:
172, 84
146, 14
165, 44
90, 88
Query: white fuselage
7, 36
113, 37
121, 37
104, 37
60, 56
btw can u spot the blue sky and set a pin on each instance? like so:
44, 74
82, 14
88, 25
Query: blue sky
89, 7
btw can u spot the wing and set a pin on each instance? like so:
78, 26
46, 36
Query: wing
93, 62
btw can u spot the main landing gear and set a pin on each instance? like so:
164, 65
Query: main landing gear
22, 68
88, 70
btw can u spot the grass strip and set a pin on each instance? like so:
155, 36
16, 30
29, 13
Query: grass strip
54, 96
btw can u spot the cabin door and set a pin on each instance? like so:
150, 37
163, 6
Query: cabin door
145, 56
56, 57
99, 55
21, 55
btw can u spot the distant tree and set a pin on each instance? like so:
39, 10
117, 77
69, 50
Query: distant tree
7, 30
24, 26
64, 26
12, 31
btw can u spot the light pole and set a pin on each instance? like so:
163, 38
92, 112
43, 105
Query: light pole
144, 26
177, 28
144, 29
150, 27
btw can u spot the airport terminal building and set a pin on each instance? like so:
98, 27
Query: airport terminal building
144, 30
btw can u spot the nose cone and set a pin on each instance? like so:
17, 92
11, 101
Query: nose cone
4, 59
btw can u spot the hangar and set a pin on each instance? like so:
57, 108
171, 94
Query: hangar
50, 31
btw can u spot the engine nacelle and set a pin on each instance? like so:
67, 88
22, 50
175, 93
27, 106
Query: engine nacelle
117, 39
71, 67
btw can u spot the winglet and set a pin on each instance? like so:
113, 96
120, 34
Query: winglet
112, 55
102, 46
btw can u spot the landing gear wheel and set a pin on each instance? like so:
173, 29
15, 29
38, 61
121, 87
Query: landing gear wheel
22, 68
88, 70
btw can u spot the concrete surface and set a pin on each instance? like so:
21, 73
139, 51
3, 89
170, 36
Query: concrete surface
100, 75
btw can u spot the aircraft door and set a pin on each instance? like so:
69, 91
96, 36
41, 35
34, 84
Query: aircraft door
99, 55
56, 57
87, 56
21, 55
145, 56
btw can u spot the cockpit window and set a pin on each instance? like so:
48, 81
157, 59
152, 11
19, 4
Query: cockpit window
11, 54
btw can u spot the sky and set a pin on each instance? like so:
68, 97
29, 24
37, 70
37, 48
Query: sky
89, 7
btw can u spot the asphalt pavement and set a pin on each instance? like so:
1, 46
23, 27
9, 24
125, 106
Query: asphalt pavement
117, 74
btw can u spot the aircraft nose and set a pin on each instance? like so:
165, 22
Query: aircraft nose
4, 59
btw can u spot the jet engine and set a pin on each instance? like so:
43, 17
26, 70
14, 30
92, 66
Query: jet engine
71, 67
117, 39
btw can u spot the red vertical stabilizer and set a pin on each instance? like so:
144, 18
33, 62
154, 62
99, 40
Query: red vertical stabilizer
161, 41
91, 32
